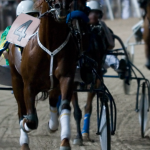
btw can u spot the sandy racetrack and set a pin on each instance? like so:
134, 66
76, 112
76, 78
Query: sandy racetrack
127, 136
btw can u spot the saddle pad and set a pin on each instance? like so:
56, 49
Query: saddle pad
22, 28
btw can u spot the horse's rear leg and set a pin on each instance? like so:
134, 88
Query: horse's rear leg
18, 92
66, 86
77, 116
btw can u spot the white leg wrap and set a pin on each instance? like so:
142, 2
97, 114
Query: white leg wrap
23, 137
65, 124
53, 122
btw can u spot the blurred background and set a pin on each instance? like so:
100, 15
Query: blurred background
112, 9
120, 8
7, 12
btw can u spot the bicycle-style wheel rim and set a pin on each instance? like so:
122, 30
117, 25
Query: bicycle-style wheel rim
143, 114
105, 136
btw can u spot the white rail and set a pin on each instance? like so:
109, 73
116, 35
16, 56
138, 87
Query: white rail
137, 9
110, 9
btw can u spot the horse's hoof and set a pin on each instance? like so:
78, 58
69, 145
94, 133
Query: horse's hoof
78, 142
65, 145
50, 130
64, 148
25, 147
86, 138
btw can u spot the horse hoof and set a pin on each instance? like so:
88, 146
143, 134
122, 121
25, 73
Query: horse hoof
78, 142
64, 148
86, 138
25, 147
65, 145
50, 130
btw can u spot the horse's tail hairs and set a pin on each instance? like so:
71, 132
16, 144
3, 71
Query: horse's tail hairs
44, 96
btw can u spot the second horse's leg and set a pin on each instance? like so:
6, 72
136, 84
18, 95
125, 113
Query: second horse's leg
88, 111
77, 116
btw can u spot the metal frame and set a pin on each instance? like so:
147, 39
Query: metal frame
103, 89
131, 69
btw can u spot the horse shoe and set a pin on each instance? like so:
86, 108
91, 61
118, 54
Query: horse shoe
22, 124
64, 148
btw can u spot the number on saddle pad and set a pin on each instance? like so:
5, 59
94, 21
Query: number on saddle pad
22, 28
22, 33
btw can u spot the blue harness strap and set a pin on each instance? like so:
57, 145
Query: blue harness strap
77, 14
86, 123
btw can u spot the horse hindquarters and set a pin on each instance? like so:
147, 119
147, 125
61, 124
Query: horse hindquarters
78, 117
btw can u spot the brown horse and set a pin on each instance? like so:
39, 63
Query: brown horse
45, 71
146, 34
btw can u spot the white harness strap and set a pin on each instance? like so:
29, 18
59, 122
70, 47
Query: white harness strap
52, 54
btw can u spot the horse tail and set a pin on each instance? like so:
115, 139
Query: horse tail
44, 95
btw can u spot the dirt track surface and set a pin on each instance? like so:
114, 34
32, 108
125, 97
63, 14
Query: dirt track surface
127, 136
